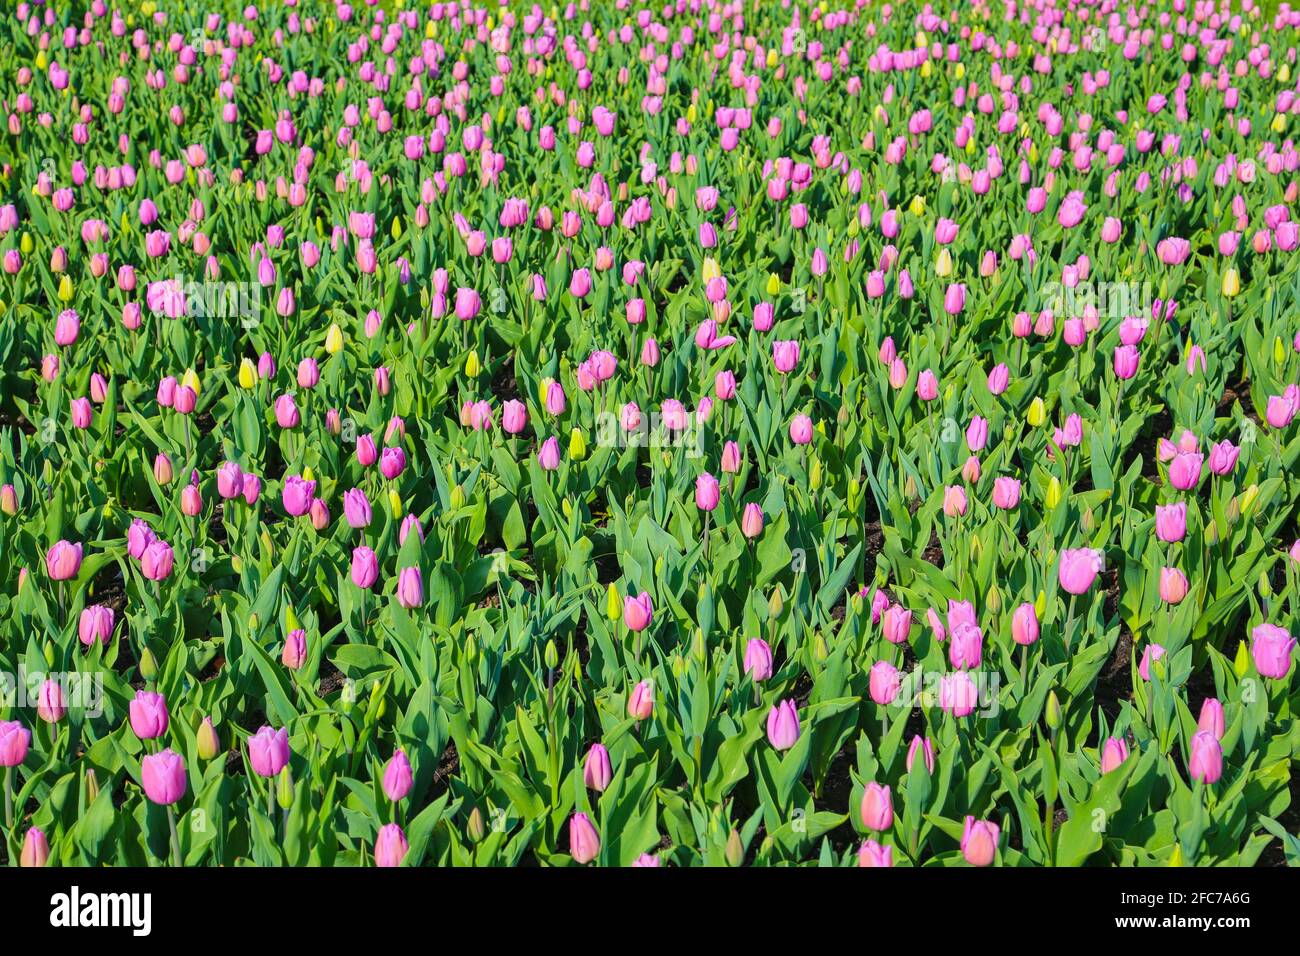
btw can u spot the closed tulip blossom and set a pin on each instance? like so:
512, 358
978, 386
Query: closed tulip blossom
954, 501
1113, 753
758, 660
148, 712
979, 841
873, 854
398, 777
877, 807
297, 495
63, 560
1024, 625
783, 725
785, 356
958, 694
1205, 762
884, 683
268, 751
157, 561
1272, 649
356, 508
584, 841
51, 701
1006, 493
294, 652
36, 849
596, 770
410, 588
921, 747
1151, 654
1185, 470
96, 624
391, 846
1171, 522
1078, 569
707, 492
638, 611
1173, 585
1211, 718
966, 646
640, 703
14, 742
896, 624
392, 462
162, 775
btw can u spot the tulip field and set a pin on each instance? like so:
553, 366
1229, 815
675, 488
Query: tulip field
633, 433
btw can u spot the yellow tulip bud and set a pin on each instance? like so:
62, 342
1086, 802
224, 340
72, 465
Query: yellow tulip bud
65, 289
943, 263
577, 445
1241, 663
1040, 604
959, 71
472, 367
247, 374
773, 283
1279, 350
1231, 283
191, 380
334, 339
1279, 123
394, 503
308, 474
993, 599
1054, 493
613, 604
917, 206
1037, 413
776, 603
710, 269
25, 244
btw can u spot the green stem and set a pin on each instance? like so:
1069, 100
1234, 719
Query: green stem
9, 798
175, 838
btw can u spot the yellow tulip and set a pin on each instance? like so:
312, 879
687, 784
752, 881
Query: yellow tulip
577, 445
334, 339
1037, 413
943, 263
1054, 493
1231, 283
247, 374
